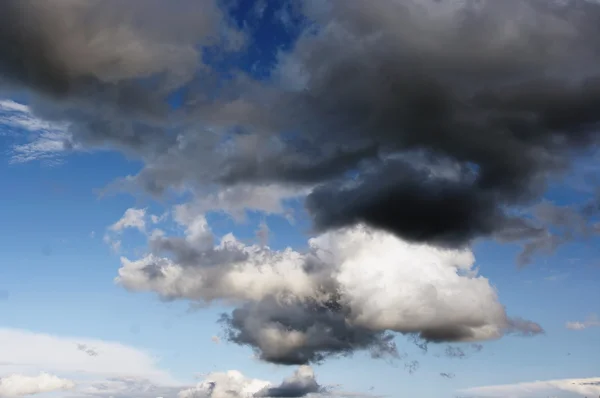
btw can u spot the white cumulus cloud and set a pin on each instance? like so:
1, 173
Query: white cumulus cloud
17, 385
132, 218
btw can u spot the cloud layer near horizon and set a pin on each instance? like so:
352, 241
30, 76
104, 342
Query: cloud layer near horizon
16, 385
588, 387
35, 363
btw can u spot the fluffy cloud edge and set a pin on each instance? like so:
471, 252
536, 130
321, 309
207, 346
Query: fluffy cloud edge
19, 385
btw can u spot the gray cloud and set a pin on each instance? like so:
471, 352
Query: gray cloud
89, 351
479, 90
66, 48
299, 333
412, 366
300, 384
383, 84
455, 352
108, 67
464, 351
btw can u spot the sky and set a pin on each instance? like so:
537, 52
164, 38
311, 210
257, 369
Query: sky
315, 198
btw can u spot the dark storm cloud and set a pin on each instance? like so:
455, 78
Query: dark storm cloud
397, 197
506, 106
506, 92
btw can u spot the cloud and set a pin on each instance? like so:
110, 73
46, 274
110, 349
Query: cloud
237, 199
590, 322
412, 366
463, 352
133, 218
441, 113
126, 387
111, 369
300, 384
350, 290
49, 53
19, 385
234, 384
224, 384
86, 367
581, 387
228, 384
26, 351
439, 122
33, 138
89, 351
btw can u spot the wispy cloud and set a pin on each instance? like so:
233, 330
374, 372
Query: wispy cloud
591, 321
33, 139
26, 352
556, 277
583, 387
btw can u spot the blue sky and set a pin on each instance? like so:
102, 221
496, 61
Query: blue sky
70, 230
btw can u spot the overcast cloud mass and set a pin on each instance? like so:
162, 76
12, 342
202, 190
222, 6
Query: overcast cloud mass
448, 113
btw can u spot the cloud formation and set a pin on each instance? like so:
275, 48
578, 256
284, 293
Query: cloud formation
234, 384
473, 88
590, 322
440, 122
26, 352
300, 384
17, 385
33, 138
114, 370
351, 290
133, 218
67, 48
583, 387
